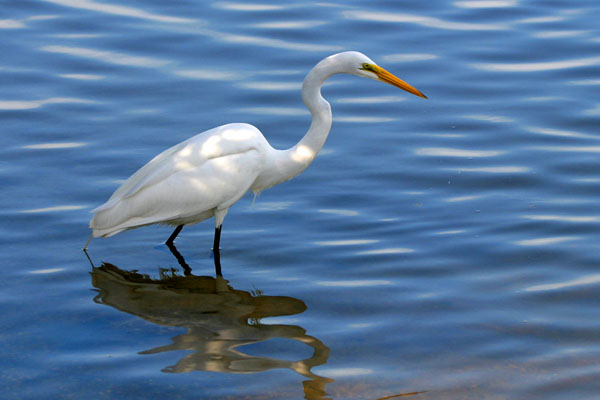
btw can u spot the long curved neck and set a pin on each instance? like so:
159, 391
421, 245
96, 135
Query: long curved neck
291, 162
305, 151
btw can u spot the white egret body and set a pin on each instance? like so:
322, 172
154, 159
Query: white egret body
206, 174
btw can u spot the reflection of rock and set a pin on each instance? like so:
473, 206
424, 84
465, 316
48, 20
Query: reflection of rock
219, 319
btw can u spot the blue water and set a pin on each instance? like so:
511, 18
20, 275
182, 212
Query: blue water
441, 249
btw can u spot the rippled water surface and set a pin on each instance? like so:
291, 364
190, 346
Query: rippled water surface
437, 249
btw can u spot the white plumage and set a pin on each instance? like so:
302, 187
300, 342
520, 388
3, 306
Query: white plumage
206, 174
188, 183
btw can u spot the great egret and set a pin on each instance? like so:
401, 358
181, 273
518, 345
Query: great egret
205, 175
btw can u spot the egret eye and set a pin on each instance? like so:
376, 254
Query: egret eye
367, 67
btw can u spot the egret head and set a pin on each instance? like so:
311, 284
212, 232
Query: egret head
362, 65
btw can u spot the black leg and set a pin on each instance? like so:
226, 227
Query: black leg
217, 240
174, 235
217, 251
187, 271
88, 257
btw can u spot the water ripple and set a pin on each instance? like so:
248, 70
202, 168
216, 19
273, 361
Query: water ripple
120, 10
586, 280
345, 372
559, 34
546, 241
352, 242
108, 56
267, 42
449, 152
370, 100
290, 24
76, 35
429, 22
355, 283
271, 205
19, 24
82, 77
246, 6
538, 66
363, 120
570, 149
541, 20
272, 86
53, 209
393, 250
31, 104
346, 213
11, 24
489, 118
46, 271
586, 82
52, 146
592, 111
459, 199
559, 132
405, 57
451, 232
503, 169
208, 74
562, 218
290, 111
486, 3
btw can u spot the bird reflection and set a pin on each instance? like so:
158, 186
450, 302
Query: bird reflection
219, 321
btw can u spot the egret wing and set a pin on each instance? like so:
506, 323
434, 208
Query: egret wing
187, 183
188, 155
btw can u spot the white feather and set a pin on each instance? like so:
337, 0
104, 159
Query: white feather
186, 183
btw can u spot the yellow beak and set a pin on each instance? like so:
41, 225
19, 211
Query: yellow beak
387, 77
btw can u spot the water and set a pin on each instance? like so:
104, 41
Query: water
441, 249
